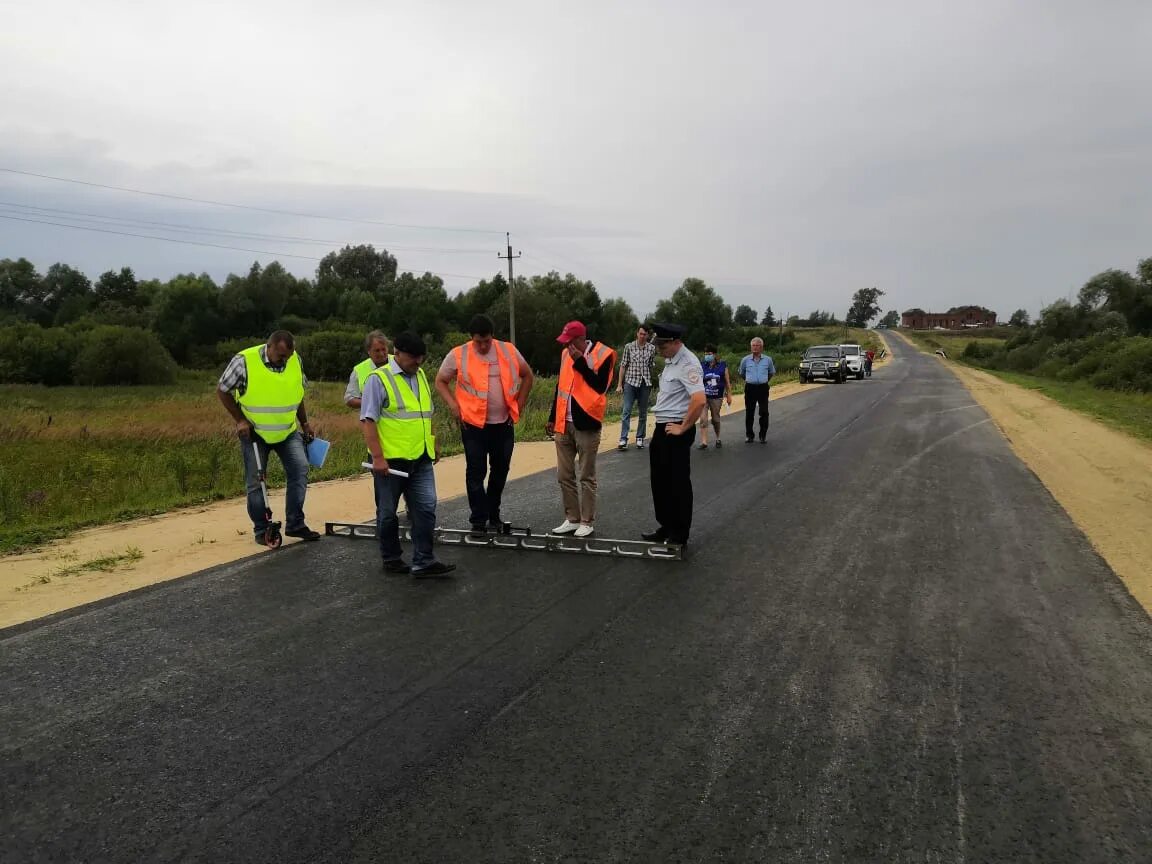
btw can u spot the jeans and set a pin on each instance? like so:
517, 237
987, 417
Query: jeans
419, 492
295, 462
634, 394
485, 446
756, 395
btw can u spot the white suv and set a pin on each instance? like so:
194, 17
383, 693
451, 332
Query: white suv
854, 355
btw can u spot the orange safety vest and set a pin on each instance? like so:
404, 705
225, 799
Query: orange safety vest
573, 386
472, 381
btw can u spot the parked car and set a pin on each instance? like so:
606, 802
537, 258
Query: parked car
823, 361
854, 358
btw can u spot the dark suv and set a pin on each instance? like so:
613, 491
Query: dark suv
823, 361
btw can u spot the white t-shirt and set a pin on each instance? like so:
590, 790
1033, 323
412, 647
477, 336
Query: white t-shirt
497, 407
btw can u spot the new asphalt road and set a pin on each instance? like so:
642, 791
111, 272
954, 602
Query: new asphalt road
888, 643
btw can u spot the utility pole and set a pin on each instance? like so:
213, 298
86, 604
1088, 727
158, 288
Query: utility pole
780, 347
511, 288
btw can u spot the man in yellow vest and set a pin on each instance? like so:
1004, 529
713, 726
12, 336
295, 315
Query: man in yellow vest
396, 419
262, 388
376, 347
576, 420
492, 381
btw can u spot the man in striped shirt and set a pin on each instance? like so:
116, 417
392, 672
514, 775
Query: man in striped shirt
637, 361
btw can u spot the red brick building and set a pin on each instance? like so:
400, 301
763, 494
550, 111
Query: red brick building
953, 319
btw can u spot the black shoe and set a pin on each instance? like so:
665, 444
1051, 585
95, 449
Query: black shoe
749, 440
399, 567
673, 541
657, 536
479, 530
434, 570
500, 527
304, 533
763, 440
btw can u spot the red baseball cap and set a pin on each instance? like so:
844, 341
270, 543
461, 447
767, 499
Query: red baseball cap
572, 330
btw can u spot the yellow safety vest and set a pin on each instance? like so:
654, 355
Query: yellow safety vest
405, 424
363, 369
271, 398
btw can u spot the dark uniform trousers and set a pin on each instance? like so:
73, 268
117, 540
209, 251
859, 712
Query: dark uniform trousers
670, 459
756, 396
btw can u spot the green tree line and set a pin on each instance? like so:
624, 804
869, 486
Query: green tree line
59, 327
1104, 337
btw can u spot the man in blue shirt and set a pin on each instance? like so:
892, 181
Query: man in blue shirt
757, 370
717, 388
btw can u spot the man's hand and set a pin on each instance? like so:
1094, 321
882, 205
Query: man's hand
550, 428
454, 408
729, 398
620, 389
244, 429
674, 429
306, 429
379, 465
574, 352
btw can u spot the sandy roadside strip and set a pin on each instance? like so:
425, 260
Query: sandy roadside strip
186, 541
1101, 477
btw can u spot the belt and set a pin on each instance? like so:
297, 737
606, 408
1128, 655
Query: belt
666, 422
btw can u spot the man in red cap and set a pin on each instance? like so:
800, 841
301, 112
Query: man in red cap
576, 420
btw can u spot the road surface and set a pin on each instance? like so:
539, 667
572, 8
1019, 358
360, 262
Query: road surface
889, 643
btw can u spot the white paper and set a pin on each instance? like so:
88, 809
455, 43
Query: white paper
395, 471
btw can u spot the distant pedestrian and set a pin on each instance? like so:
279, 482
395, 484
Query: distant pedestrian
262, 388
757, 370
492, 382
576, 421
717, 389
637, 361
679, 405
869, 356
396, 421
376, 347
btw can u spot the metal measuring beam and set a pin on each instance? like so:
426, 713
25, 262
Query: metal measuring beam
522, 540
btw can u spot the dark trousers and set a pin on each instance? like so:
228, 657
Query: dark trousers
756, 395
418, 490
487, 451
670, 459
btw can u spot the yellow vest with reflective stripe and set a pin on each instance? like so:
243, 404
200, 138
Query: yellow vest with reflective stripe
271, 398
365, 368
405, 425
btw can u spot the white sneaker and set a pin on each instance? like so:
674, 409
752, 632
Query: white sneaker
639, 443
584, 531
565, 527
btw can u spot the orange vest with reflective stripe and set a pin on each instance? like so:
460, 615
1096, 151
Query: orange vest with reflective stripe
472, 381
573, 386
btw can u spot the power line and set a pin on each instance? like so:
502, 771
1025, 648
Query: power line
76, 215
244, 206
212, 245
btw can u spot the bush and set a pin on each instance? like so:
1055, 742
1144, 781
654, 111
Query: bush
31, 354
329, 355
1129, 368
116, 356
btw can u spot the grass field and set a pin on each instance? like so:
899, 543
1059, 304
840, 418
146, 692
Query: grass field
1128, 411
82, 456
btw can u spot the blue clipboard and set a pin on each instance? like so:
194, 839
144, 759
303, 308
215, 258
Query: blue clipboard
317, 452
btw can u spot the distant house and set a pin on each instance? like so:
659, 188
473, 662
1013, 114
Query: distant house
954, 319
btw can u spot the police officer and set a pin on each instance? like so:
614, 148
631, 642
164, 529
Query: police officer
679, 405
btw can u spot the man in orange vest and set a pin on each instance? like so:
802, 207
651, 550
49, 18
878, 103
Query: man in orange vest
492, 385
576, 420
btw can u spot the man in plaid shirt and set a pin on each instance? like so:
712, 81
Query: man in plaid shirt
637, 361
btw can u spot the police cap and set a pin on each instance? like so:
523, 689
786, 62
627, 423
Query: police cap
668, 331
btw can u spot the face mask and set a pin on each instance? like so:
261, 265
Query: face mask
708, 358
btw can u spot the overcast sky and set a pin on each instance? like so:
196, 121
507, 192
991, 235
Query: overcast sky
788, 153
